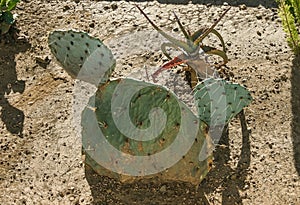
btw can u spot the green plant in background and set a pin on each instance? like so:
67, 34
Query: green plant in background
289, 12
6, 17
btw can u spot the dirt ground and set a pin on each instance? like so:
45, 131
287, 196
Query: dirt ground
40, 158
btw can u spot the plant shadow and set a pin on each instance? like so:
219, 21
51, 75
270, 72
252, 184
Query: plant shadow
230, 180
295, 101
109, 191
12, 117
249, 3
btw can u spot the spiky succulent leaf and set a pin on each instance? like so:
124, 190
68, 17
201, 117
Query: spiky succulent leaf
289, 26
296, 8
218, 101
10, 4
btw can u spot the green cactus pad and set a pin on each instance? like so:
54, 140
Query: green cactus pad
218, 101
82, 56
136, 130
141, 105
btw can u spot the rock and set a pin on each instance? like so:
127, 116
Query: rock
163, 188
258, 33
66, 7
243, 7
92, 25
259, 16
114, 6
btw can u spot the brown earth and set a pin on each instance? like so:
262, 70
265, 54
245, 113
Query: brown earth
40, 154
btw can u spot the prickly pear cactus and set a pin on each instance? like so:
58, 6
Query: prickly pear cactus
131, 129
143, 131
82, 56
218, 101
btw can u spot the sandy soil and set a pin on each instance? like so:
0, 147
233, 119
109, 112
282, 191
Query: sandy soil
40, 158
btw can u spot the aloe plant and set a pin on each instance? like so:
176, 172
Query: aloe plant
191, 48
6, 17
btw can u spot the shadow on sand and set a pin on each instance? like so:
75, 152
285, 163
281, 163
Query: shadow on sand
12, 117
295, 89
222, 176
249, 3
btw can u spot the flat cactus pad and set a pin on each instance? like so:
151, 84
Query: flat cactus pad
134, 130
218, 101
82, 56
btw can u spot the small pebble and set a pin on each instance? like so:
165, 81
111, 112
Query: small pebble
233, 177
175, 29
66, 8
243, 7
259, 16
92, 25
43, 60
163, 188
114, 6
258, 33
